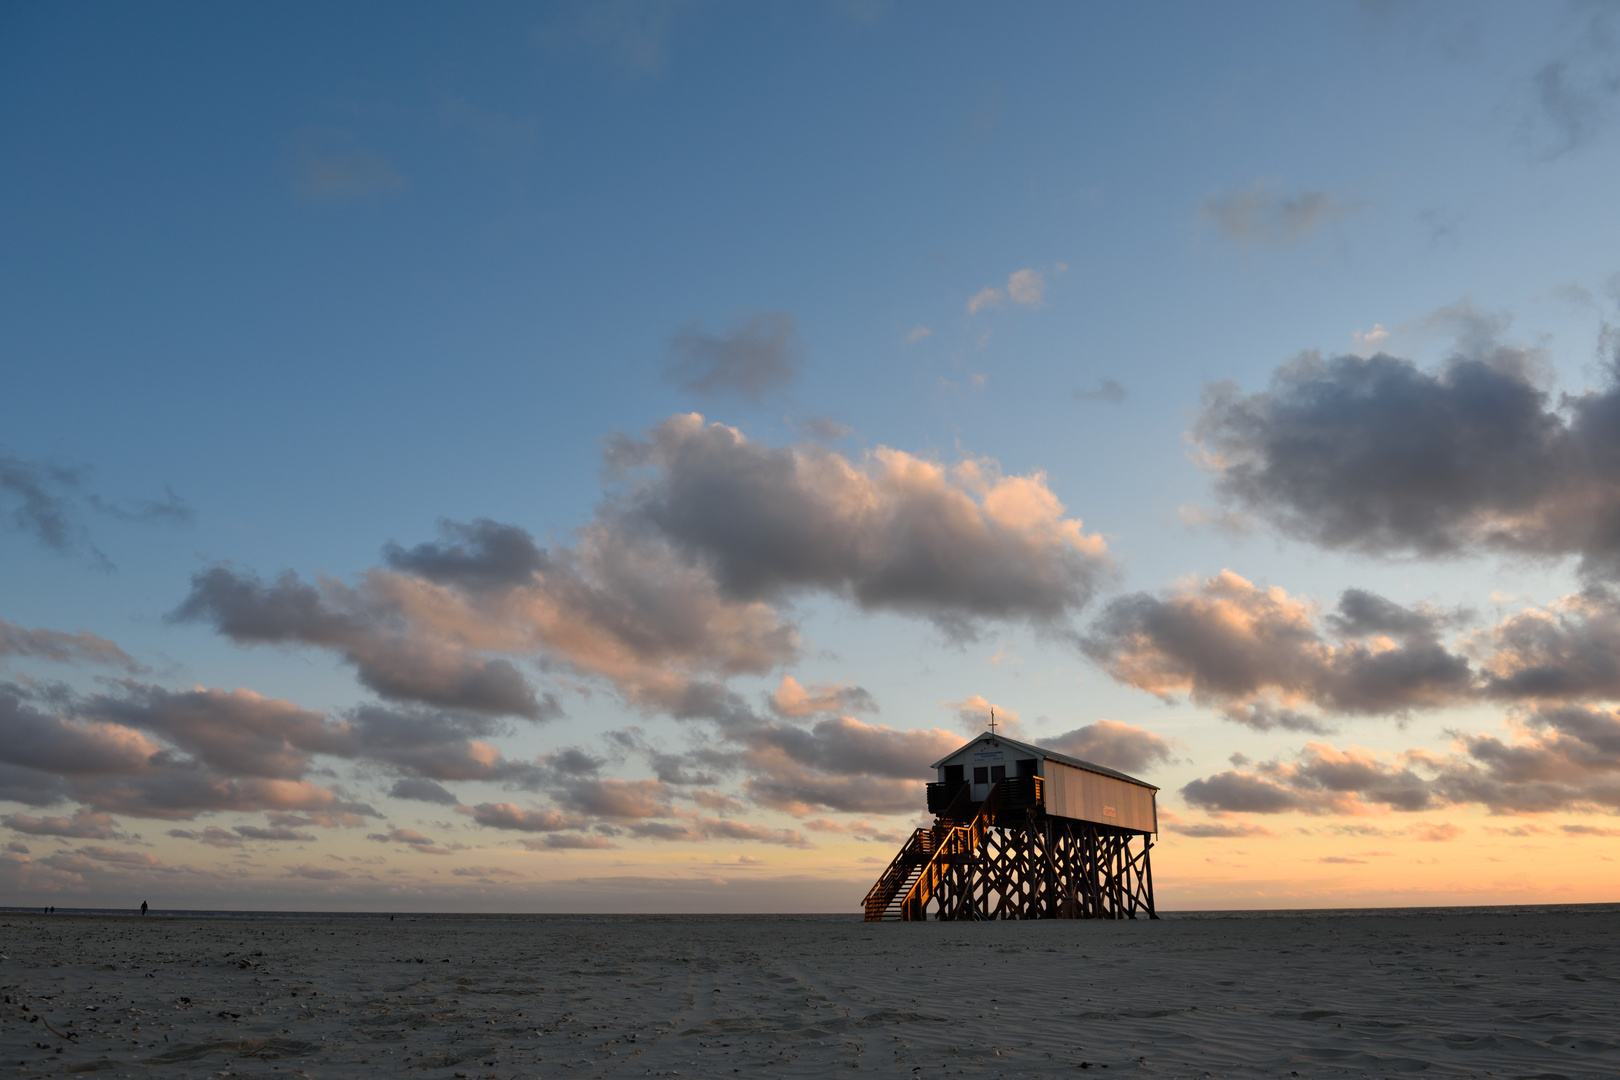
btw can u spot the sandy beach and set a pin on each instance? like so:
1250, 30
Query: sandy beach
1498, 993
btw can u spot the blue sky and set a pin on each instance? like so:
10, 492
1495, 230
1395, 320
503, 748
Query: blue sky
285, 286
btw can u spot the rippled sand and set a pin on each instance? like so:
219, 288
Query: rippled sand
1479, 994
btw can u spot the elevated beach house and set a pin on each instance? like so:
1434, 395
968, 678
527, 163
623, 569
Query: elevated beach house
1022, 832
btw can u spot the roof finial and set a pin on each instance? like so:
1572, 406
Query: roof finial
992, 719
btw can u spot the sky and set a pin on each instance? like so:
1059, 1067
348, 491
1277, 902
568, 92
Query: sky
596, 456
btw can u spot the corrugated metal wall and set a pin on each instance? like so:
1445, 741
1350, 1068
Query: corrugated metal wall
1089, 796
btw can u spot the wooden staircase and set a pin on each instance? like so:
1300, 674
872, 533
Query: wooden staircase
884, 899
926, 860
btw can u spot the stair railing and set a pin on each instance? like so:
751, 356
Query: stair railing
958, 843
915, 850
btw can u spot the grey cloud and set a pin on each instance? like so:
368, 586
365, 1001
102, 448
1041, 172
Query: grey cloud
390, 655
1218, 830
1258, 215
826, 429
1376, 456
422, 790
1573, 94
667, 593
759, 355
1557, 759
482, 555
250, 752
1118, 746
1107, 391
238, 732
259, 832
695, 829
523, 819
1255, 653
85, 824
43, 493
568, 841
171, 509
1568, 651
793, 699
434, 745
894, 532
45, 500
54, 645
213, 836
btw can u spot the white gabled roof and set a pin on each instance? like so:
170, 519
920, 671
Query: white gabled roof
1036, 751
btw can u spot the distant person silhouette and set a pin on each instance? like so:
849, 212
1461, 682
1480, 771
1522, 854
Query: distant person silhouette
143, 907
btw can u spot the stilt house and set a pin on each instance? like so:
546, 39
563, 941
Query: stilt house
1021, 832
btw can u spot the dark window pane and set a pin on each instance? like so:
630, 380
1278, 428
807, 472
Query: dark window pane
981, 775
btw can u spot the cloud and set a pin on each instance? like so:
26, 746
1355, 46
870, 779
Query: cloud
1588, 830
85, 824
259, 832
795, 700
1119, 746
672, 589
478, 556
893, 531
826, 429
62, 648
1217, 830
512, 816
316, 873
1376, 456
1374, 337
1566, 651
371, 627
410, 838
1573, 93
43, 493
1025, 287
1553, 759
759, 355
988, 297
1258, 215
150, 752
486, 872
415, 787
1436, 833
45, 500
332, 166
213, 836
568, 842
1107, 391
1260, 655
839, 764
917, 333
973, 716
697, 829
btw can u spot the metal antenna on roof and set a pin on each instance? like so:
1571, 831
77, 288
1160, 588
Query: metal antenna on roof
992, 719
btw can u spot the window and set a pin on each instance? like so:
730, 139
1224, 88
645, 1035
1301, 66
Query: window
998, 773
953, 774
981, 775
